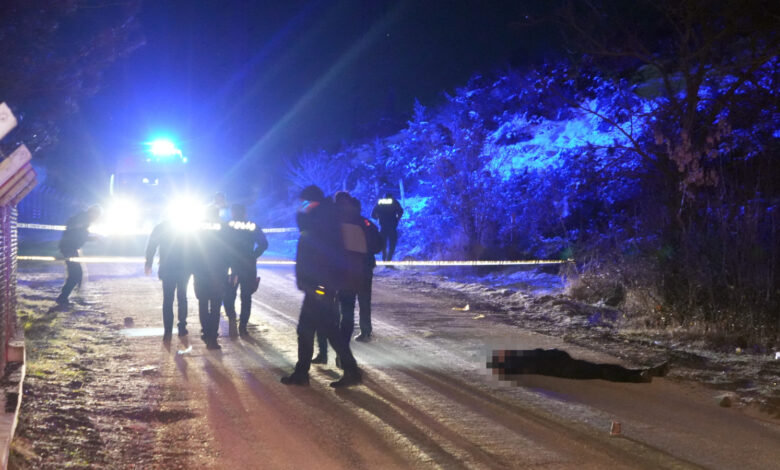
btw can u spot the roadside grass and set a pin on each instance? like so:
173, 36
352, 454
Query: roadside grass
53, 373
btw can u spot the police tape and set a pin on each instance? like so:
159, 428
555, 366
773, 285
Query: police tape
62, 228
474, 263
85, 259
282, 262
41, 226
124, 259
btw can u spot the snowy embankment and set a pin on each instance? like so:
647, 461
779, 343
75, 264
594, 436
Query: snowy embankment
537, 300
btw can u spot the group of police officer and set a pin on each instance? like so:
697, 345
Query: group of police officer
334, 267
220, 256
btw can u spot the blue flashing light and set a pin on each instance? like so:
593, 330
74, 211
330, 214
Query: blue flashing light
164, 148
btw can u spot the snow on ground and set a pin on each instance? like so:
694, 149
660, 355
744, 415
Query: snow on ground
535, 299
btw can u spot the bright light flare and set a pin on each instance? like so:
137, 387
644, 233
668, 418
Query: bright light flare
163, 148
121, 217
186, 213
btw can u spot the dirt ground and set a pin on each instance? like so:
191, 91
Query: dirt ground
86, 390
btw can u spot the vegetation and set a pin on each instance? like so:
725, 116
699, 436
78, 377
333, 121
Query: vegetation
648, 155
54, 55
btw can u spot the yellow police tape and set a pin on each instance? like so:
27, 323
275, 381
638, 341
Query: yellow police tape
139, 259
62, 227
474, 263
272, 262
40, 226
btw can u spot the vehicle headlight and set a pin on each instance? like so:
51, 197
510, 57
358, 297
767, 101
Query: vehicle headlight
185, 213
120, 217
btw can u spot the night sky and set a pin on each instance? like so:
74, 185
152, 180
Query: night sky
253, 82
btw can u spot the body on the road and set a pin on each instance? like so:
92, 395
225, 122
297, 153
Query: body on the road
175, 269
76, 234
245, 242
557, 363
388, 212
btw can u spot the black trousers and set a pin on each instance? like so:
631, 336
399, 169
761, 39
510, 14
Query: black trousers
247, 285
364, 303
73, 277
558, 363
209, 292
319, 313
346, 303
390, 237
175, 287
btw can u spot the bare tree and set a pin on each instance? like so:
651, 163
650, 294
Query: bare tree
54, 54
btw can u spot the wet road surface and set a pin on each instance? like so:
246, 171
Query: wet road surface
427, 400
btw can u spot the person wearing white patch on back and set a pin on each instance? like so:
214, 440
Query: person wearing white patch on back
245, 242
388, 212
319, 273
359, 248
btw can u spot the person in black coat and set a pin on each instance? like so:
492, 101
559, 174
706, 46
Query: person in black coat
508, 364
174, 271
374, 244
245, 242
319, 266
364, 242
210, 269
76, 234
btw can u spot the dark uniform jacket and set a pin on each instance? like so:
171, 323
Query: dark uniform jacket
175, 246
353, 237
373, 240
209, 254
320, 255
388, 212
75, 235
245, 242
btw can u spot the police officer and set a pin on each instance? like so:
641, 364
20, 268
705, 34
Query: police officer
210, 268
174, 271
73, 238
388, 212
245, 242
318, 267
220, 200
361, 246
374, 244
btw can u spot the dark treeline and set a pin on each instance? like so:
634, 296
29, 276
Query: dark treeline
648, 153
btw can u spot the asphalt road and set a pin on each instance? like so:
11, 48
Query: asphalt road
427, 400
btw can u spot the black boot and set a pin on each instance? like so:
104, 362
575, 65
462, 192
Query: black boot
363, 338
353, 377
296, 378
320, 358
